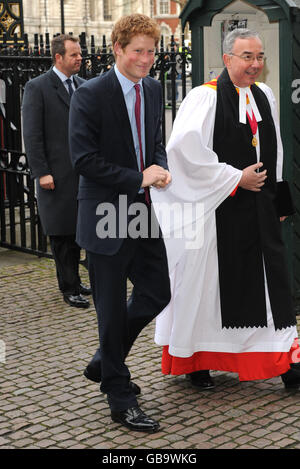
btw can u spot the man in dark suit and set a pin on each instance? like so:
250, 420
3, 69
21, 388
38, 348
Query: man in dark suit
115, 142
45, 108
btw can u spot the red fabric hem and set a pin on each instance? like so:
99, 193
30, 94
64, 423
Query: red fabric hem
250, 365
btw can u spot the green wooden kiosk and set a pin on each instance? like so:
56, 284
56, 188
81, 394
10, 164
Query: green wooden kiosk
286, 13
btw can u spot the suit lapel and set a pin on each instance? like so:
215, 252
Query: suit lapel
76, 81
60, 89
118, 106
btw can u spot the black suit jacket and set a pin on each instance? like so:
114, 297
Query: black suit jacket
45, 109
102, 151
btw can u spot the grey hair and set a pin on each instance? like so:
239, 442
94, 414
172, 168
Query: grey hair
238, 33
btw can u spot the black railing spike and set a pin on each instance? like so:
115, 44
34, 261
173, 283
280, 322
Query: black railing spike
42, 50
162, 44
48, 47
26, 45
36, 45
15, 48
5, 42
93, 47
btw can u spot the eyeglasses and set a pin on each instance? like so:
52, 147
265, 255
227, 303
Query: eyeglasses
251, 58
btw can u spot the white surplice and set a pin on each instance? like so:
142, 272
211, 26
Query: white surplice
192, 321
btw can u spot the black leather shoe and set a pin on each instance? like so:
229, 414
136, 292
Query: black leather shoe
83, 290
201, 379
135, 419
291, 379
94, 375
78, 301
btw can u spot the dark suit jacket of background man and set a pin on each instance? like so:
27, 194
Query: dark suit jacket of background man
47, 149
110, 167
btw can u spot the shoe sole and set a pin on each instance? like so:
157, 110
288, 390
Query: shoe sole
142, 430
201, 388
77, 306
95, 380
85, 293
292, 386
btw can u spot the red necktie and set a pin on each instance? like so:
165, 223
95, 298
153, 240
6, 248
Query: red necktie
253, 123
137, 111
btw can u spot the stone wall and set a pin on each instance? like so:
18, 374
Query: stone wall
91, 16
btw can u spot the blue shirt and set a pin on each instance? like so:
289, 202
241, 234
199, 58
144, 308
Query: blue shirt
63, 78
129, 96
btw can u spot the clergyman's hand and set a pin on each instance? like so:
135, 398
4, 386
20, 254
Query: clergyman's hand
252, 180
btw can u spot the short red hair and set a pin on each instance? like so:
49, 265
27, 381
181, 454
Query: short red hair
133, 25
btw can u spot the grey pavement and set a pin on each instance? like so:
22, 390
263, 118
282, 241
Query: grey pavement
47, 403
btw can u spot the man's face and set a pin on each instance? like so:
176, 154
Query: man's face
137, 58
244, 73
70, 63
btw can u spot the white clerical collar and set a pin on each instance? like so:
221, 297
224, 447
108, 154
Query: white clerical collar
243, 93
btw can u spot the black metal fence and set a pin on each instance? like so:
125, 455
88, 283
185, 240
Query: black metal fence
20, 227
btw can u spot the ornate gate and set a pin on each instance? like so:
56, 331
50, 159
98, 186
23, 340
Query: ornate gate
11, 19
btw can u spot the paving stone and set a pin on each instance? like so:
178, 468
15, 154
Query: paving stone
47, 403
3, 441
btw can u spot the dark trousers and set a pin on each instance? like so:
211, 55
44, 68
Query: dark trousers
66, 253
144, 262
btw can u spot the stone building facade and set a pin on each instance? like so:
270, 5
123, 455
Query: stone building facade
94, 17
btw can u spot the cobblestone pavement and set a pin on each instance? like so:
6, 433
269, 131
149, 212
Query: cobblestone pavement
47, 403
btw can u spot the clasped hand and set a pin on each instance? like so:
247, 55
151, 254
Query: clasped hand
156, 176
47, 182
253, 180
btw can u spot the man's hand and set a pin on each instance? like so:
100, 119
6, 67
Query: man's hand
163, 183
156, 176
251, 180
47, 182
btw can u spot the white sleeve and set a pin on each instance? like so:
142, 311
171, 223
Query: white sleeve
200, 183
271, 98
197, 174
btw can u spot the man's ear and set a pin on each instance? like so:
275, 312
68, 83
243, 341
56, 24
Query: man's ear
226, 60
58, 58
117, 49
